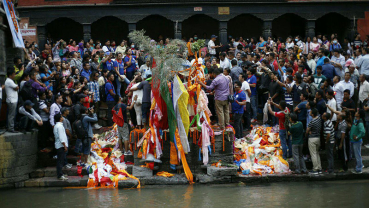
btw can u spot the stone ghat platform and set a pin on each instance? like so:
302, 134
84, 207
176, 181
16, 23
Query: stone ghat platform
222, 176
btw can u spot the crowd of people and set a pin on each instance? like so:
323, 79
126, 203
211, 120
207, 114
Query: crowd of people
314, 89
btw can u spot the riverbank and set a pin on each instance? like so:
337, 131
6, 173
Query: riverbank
228, 176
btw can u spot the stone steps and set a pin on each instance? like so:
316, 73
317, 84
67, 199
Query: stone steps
180, 179
51, 172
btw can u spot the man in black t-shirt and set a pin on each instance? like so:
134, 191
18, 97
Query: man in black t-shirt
348, 103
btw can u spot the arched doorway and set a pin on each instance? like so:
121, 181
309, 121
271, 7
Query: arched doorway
65, 28
201, 25
246, 26
333, 23
155, 26
289, 25
109, 28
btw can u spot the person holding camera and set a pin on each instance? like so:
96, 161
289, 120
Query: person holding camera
88, 118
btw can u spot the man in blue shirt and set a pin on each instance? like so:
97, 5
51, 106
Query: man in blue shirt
88, 117
321, 55
110, 97
238, 108
252, 82
301, 109
109, 64
119, 70
86, 72
328, 70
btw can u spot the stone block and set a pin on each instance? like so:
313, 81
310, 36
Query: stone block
141, 171
39, 173
159, 180
129, 183
32, 182
222, 171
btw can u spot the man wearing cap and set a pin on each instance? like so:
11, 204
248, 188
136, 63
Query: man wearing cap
212, 47
28, 117
338, 61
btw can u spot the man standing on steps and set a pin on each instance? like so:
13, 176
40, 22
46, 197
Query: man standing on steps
313, 132
110, 97
11, 90
221, 87
329, 140
68, 130
61, 145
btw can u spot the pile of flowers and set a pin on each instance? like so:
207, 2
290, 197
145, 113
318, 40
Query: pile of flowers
106, 164
260, 152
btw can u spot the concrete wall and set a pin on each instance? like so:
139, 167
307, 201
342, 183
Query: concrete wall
60, 2
18, 157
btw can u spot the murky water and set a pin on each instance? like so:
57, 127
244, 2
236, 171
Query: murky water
310, 194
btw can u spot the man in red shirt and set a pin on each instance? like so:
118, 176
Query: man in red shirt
282, 129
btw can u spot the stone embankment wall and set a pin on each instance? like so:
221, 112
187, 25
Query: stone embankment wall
18, 158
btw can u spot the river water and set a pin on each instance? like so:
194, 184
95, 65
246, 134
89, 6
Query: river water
294, 194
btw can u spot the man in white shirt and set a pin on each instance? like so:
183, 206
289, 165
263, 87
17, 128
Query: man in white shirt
347, 84
246, 88
212, 46
224, 61
364, 90
338, 61
61, 145
331, 103
338, 89
11, 90
106, 47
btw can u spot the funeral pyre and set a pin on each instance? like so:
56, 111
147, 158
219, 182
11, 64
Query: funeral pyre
260, 152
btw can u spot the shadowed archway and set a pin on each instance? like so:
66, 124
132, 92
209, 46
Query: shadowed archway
111, 28
289, 25
333, 23
201, 25
65, 28
155, 26
246, 26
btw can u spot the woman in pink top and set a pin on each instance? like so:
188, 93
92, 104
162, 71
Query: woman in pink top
73, 46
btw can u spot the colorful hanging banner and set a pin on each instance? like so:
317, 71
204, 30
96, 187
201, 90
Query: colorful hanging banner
13, 23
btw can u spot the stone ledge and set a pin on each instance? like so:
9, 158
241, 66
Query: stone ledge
159, 180
222, 171
129, 183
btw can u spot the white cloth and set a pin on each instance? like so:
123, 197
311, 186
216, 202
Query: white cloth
364, 91
333, 104
211, 50
245, 87
138, 92
312, 64
265, 112
11, 93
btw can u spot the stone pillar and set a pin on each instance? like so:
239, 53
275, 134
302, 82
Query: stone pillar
310, 28
41, 34
86, 31
178, 30
351, 30
223, 32
267, 29
131, 27
2, 46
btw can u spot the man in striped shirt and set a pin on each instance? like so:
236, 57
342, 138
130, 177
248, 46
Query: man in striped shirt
289, 83
329, 140
313, 131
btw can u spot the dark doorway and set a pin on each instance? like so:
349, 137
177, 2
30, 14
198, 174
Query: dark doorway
201, 25
155, 26
289, 25
109, 28
65, 28
245, 26
333, 23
